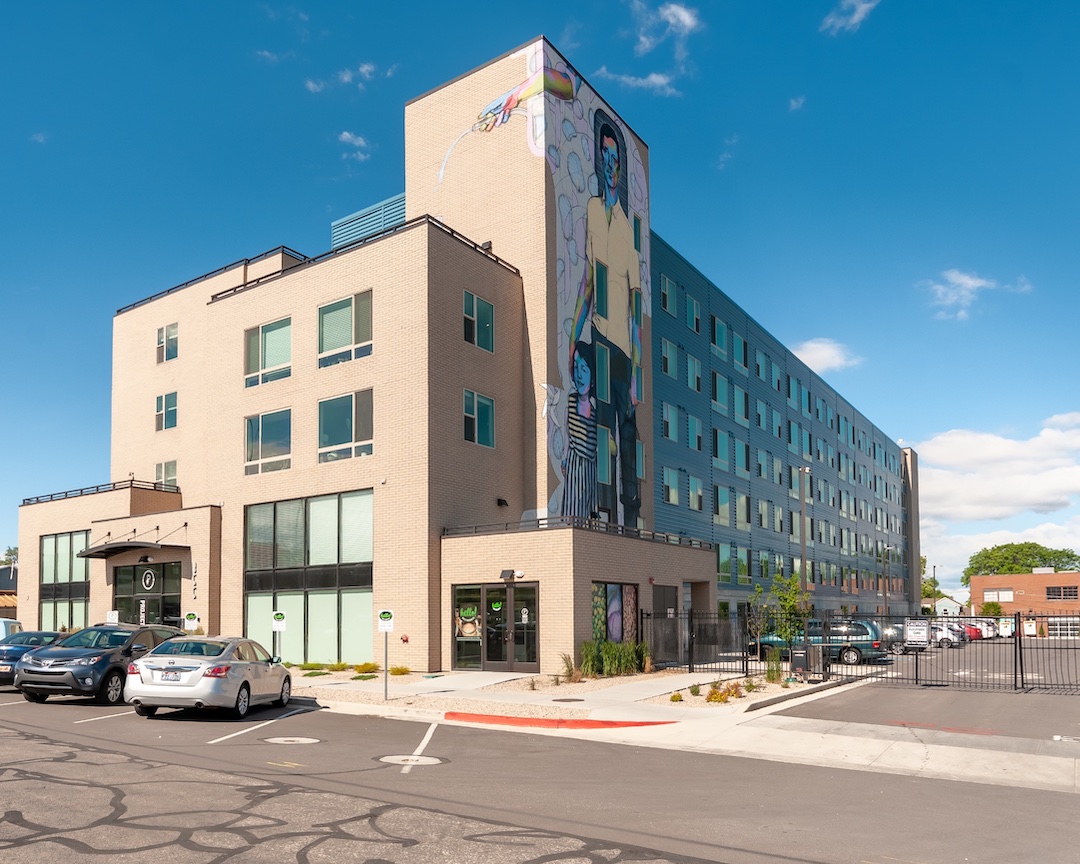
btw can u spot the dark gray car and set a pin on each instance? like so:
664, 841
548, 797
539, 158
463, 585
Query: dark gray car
91, 662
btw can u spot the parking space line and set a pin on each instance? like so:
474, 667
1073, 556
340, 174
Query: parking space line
20, 702
104, 717
260, 726
420, 749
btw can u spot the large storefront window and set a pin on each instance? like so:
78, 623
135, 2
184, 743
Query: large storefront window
64, 578
496, 627
148, 594
614, 612
311, 558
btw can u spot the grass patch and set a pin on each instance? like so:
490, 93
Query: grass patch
367, 676
315, 673
337, 667
366, 668
312, 665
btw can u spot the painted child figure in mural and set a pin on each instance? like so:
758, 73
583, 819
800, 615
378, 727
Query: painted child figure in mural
606, 299
579, 463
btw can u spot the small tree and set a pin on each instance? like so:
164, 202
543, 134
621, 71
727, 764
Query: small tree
11, 556
792, 606
992, 609
759, 614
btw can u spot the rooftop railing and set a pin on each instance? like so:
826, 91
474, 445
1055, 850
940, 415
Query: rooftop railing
103, 487
598, 525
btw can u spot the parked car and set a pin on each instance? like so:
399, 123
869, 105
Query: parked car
973, 632
207, 672
945, 636
9, 626
90, 662
17, 644
894, 639
850, 641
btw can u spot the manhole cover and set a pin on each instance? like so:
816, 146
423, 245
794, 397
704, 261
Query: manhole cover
291, 740
411, 760
567, 700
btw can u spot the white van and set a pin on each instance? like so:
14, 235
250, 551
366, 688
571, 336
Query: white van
8, 626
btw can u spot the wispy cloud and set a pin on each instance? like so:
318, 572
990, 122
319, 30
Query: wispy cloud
655, 81
267, 56
673, 21
39, 137
826, 355
848, 16
314, 86
359, 144
956, 292
796, 104
727, 155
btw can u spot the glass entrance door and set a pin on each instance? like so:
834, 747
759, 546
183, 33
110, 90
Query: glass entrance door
510, 627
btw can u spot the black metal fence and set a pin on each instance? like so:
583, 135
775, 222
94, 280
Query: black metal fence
1023, 653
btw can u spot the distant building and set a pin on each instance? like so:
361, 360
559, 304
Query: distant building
943, 606
1039, 593
9, 588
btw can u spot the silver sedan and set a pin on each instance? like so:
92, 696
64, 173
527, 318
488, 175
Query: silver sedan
206, 672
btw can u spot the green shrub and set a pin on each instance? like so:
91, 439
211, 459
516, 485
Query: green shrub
643, 658
337, 667
750, 685
695, 690
567, 665
399, 670
717, 695
610, 652
676, 696
365, 677
312, 665
315, 673
590, 660
366, 668
773, 672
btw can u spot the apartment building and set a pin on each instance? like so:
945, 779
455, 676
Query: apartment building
461, 414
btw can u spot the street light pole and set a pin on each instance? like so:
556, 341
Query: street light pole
804, 471
885, 582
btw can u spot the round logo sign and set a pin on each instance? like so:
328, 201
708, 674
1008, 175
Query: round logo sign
149, 578
386, 615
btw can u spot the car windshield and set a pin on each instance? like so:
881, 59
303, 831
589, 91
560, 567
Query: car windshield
97, 637
28, 638
191, 648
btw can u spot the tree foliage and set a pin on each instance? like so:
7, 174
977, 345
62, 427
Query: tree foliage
931, 590
792, 607
991, 609
1018, 558
11, 556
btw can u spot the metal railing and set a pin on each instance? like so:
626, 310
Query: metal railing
554, 522
102, 487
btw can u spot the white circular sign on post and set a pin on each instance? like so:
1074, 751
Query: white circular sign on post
277, 624
386, 620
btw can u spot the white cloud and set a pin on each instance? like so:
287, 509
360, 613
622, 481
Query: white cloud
848, 16
358, 142
352, 140
39, 137
723, 159
391, 70
958, 291
654, 81
731, 140
673, 21
825, 355
268, 56
797, 103
314, 86
366, 71
344, 76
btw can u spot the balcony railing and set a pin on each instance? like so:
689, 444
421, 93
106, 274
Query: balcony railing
103, 487
577, 522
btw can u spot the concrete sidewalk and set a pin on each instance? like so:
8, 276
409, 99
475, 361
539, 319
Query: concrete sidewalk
618, 715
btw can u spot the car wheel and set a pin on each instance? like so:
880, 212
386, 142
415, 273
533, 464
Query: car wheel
112, 689
146, 710
34, 697
850, 656
243, 702
286, 694
945, 643
897, 648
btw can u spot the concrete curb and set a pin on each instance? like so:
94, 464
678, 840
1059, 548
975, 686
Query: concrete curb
798, 694
548, 722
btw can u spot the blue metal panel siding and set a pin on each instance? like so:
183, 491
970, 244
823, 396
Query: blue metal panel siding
370, 220
691, 463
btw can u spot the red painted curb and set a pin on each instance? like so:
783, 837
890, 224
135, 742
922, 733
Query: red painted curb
548, 722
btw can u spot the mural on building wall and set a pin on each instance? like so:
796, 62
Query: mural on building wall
602, 274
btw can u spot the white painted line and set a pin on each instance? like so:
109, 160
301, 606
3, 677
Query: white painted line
20, 702
104, 717
405, 769
259, 726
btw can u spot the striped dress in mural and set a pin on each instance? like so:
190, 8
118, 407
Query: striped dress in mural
579, 491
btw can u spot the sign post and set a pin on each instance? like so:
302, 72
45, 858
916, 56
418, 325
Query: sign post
917, 635
386, 627
191, 622
277, 626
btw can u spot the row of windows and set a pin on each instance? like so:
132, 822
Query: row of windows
743, 563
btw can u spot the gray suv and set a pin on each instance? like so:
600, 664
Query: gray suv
90, 662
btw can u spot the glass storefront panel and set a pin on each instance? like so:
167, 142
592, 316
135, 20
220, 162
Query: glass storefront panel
323, 530
258, 609
78, 615
48, 615
495, 633
467, 624
357, 626
322, 626
292, 640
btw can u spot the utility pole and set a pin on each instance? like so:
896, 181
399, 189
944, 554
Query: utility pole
885, 582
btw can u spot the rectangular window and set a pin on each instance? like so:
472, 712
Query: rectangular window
761, 365
345, 426
345, 330
165, 473
479, 322
762, 414
479, 419
600, 290
762, 463
639, 467
721, 448
268, 353
722, 506
168, 342
667, 294
763, 513
165, 412
1063, 592
603, 373
693, 373
671, 486
723, 562
719, 393
268, 442
742, 406
603, 455
694, 435
778, 519
740, 353
693, 314
743, 565
695, 495
637, 233
719, 337
670, 422
742, 459
1005, 595
669, 358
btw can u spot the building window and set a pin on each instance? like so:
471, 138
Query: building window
743, 565
723, 562
1062, 592
719, 393
600, 289
64, 581
721, 447
603, 455
345, 330
671, 486
168, 342
721, 506
761, 365
669, 358
670, 422
479, 419
742, 459
346, 427
165, 473
693, 314
479, 322
268, 353
694, 433
603, 373
637, 233
693, 373
740, 354
742, 512
165, 412
268, 442
695, 494
639, 467
719, 337
667, 294
742, 406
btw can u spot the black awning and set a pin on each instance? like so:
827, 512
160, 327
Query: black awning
107, 550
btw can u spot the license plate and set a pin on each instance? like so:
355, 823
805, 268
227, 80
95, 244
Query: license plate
170, 676
5, 668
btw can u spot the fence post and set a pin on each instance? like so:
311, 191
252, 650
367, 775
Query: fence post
1018, 652
690, 639
744, 633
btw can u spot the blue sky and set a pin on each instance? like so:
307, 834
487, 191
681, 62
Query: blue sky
889, 186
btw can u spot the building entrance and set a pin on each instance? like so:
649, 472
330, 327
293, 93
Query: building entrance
148, 594
496, 627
